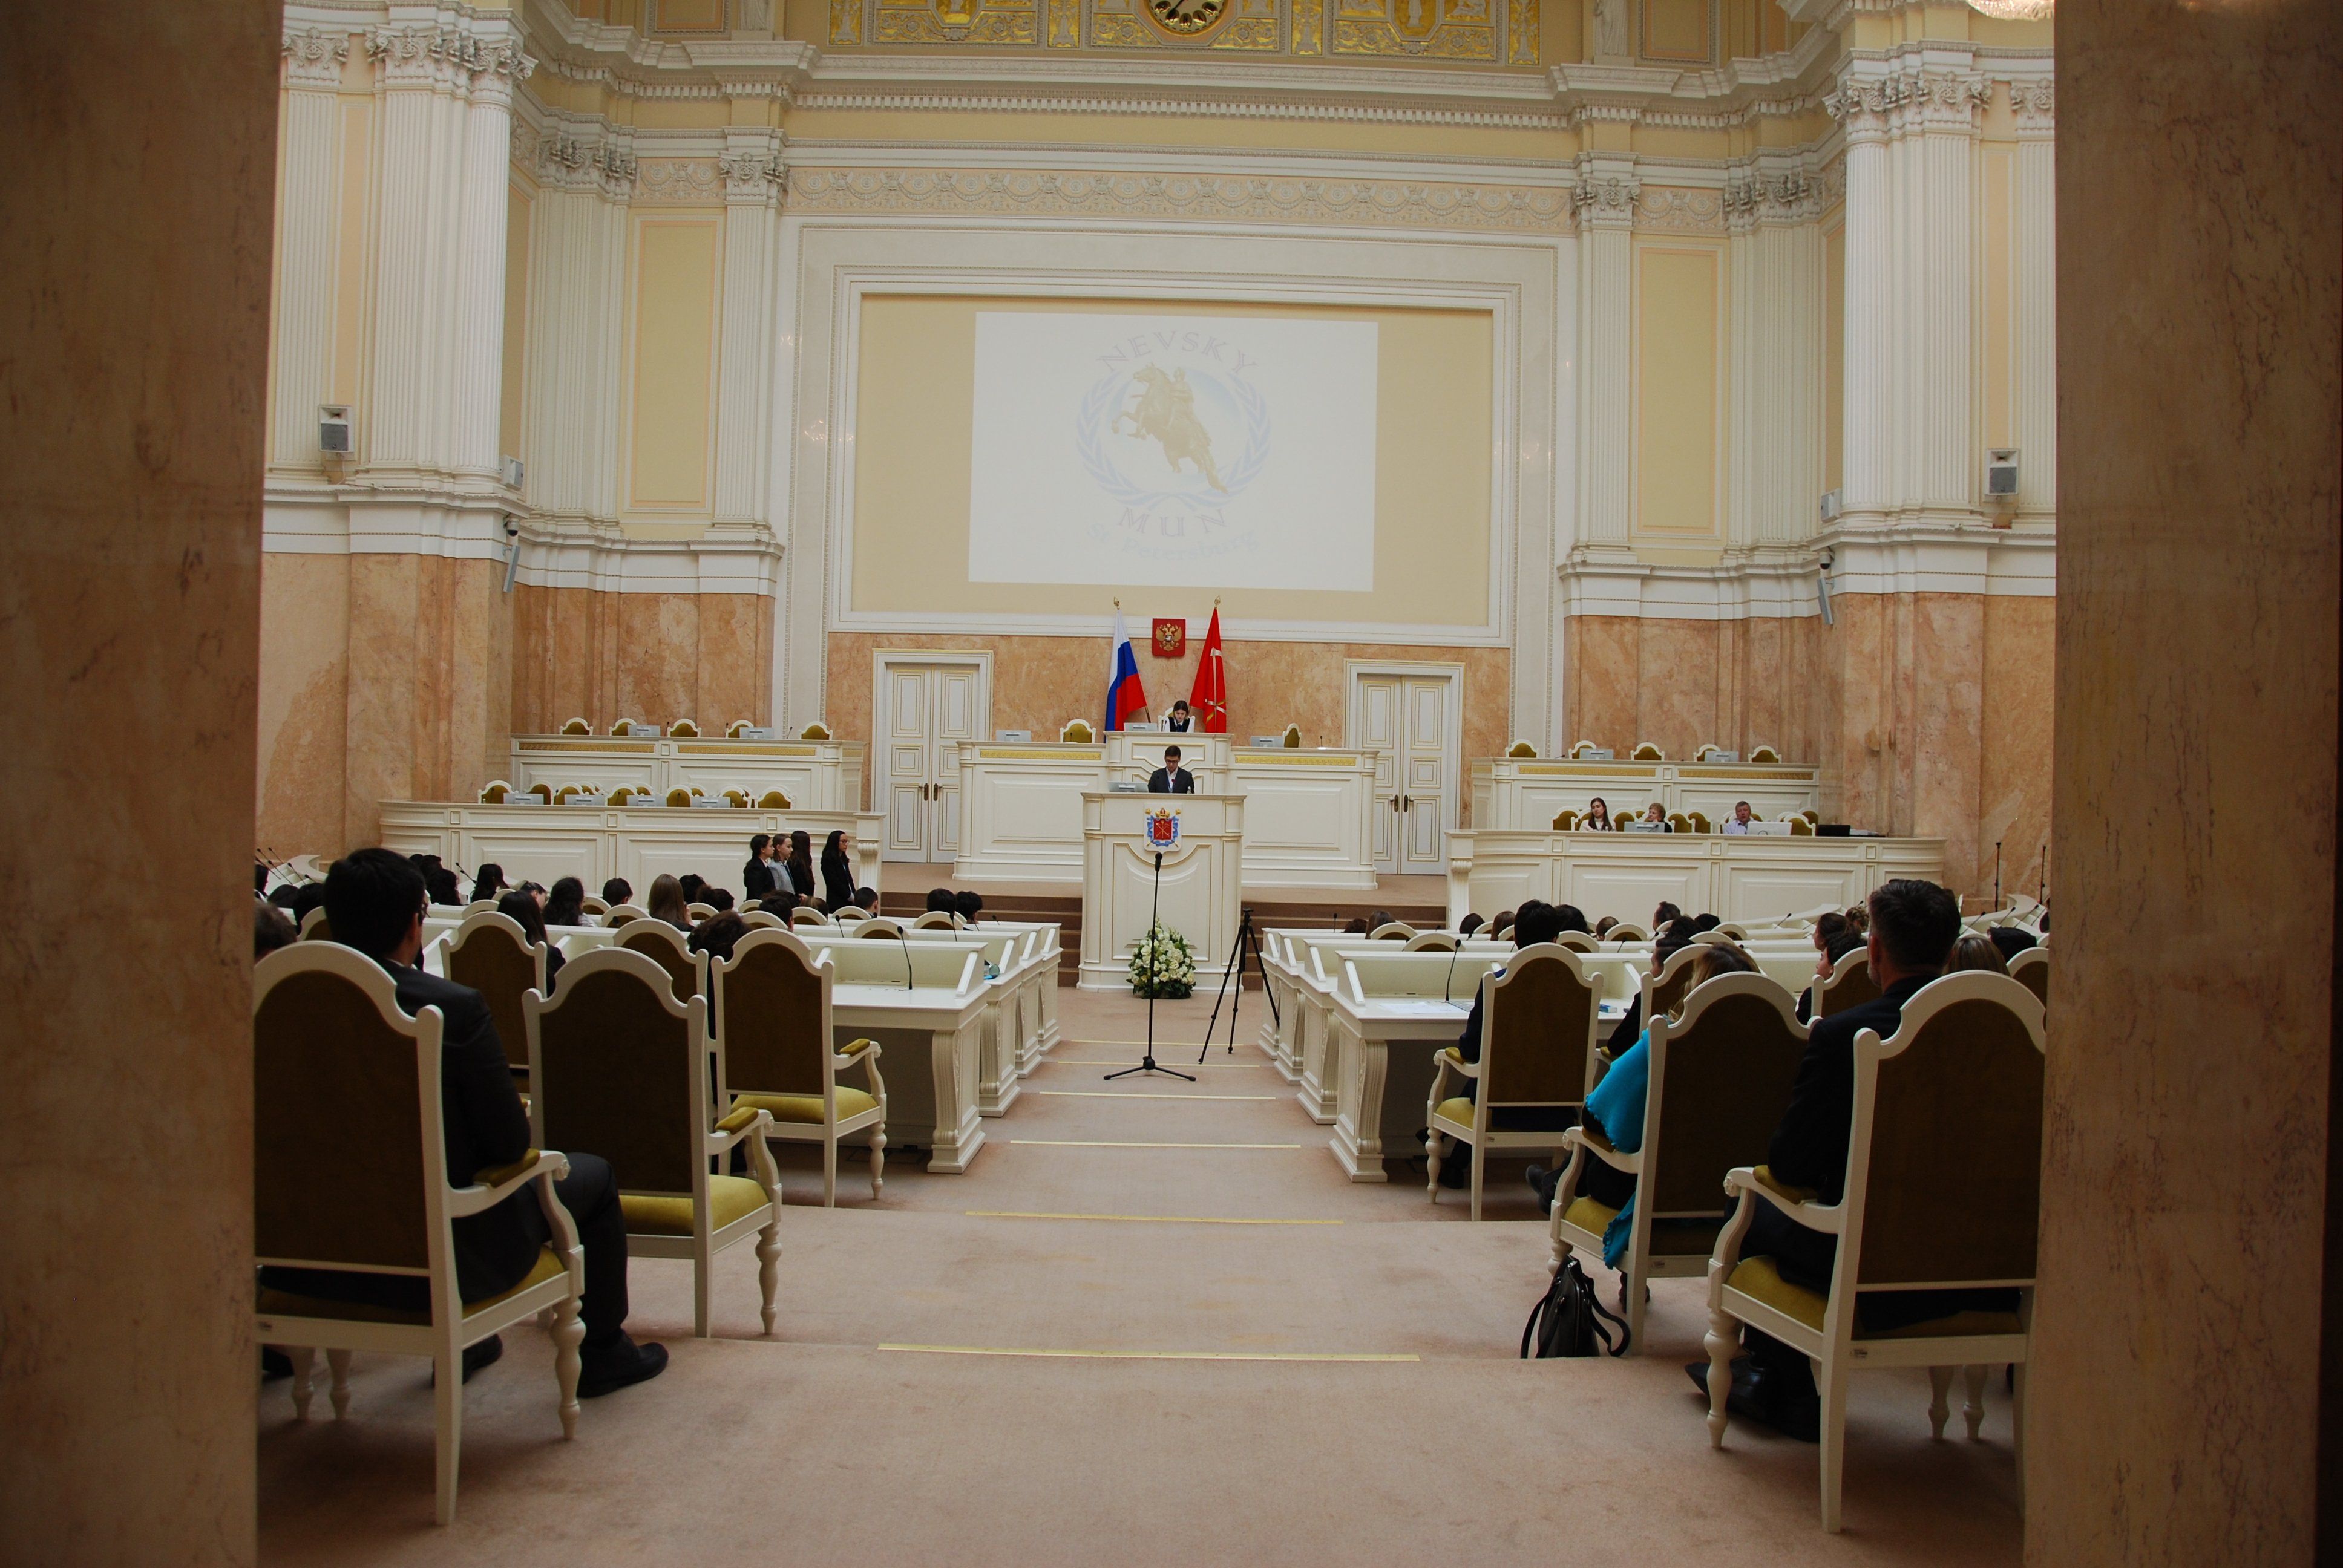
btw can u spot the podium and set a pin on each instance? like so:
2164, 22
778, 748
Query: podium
1201, 890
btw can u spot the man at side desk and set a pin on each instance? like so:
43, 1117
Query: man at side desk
1739, 822
1172, 778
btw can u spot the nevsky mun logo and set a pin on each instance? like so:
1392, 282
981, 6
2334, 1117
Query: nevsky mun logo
1173, 432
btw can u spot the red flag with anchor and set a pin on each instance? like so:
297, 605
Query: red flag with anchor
1209, 700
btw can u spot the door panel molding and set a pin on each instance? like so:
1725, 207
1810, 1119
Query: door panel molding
926, 703
1380, 710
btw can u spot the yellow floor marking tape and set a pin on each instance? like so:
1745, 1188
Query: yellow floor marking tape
1141, 1219
1153, 1355
1121, 1143
1135, 1094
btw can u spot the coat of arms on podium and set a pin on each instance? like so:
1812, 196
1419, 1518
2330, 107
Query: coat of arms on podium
1162, 829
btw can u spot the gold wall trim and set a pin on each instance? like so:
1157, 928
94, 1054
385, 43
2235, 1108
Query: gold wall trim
1287, 759
1040, 754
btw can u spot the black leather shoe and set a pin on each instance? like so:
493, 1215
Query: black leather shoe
623, 1365
1698, 1373
1542, 1183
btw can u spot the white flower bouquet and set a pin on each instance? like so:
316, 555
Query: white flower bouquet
1163, 965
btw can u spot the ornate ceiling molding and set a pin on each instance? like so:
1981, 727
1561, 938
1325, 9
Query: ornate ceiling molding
1208, 198
314, 58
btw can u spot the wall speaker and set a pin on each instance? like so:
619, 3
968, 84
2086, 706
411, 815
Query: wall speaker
334, 429
2001, 474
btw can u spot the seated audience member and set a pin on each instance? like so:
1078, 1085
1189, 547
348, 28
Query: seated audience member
1975, 952
1356, 926
1500, 926
312, 896
618, 891
374, 900
837, 871
2011, 940
270, 931
1597, 818
668, 902
940, 901
522, 910
1535, 922
717, 898
1834, 940
488, 884
1859, 920
694, 885
1573, 919
1913, 926
1468, 925
1705, 922
866, 899
440, 881
716, 935
757, 877
1672, 939
1615, 1113
284, 894
1662, 915
1379, 920
565, 904
535, 891
968, 904
1739, 822
1602, 927
1655, 817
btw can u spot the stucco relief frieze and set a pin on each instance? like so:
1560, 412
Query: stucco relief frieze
447, 58
1198, 198
751, 177
679, 181
578, 163
1494, 32
1672, 209
1758, 197
315, 59
2034, 100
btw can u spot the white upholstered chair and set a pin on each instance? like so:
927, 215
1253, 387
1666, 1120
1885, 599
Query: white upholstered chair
350, 1174
1537, 1059
1943, 1191
618, 1064
772, 1012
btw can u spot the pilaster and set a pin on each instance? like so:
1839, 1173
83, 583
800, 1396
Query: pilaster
1604, 199
753, 176
2034, 301
308, 223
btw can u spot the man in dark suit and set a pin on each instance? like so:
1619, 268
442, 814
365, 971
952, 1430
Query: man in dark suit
1170, 779
1913, 926
373, 901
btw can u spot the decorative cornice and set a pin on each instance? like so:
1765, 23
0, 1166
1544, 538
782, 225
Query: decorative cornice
2034, 100
447, 58
1042, 192
751, 177
678, 182
1902, 103
580, 163
1672, 210
313, 59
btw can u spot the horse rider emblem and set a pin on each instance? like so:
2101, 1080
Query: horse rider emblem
1165, 414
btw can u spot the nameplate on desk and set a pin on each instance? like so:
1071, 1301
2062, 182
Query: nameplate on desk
1013, 737
1125, 787
717, 802
1599, 755
757, 732
523, 801
1644, 828
1266, 741
1769, 829
585, 799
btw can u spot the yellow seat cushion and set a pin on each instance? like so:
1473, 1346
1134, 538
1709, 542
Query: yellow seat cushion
1760, 1279
1459, 1110
286, 1304
806, 1107
1765, 1174
1454, 1054
1588, 1215
729, 1198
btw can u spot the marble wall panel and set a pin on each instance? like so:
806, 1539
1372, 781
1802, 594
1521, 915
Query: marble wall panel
1039, 682
601, 656
134, 234
2189, 1167
2014, 742
304, 703
1942, 666
1601, 681
1678, 670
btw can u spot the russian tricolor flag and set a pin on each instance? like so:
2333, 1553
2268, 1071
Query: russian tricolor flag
1125, 695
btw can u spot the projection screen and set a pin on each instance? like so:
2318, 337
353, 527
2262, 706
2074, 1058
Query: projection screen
1198, 451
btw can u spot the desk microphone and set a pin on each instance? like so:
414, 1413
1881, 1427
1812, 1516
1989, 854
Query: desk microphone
1453, 954
909, 981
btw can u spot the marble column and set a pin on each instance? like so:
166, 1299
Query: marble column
752, 172
134, 283
309, 230
2190, 1156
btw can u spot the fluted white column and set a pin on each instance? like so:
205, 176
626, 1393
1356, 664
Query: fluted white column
572, 434
484, 204
752, 171
1606, 200
309, 228
1939, 246
403, 411
2034, 289
1867, 441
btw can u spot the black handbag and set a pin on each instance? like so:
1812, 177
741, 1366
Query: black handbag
1569, 1322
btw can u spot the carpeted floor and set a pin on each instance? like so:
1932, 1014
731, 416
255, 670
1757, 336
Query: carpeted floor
865, 1432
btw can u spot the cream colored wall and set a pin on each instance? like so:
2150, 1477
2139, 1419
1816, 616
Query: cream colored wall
1432, 469
1679, 394
671, 436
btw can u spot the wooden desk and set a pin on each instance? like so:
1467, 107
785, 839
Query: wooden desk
816, 775
1528, 792
1387, 1018
930, 1030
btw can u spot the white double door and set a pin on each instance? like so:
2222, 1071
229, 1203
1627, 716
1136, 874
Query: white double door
928, 711
1411, 720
